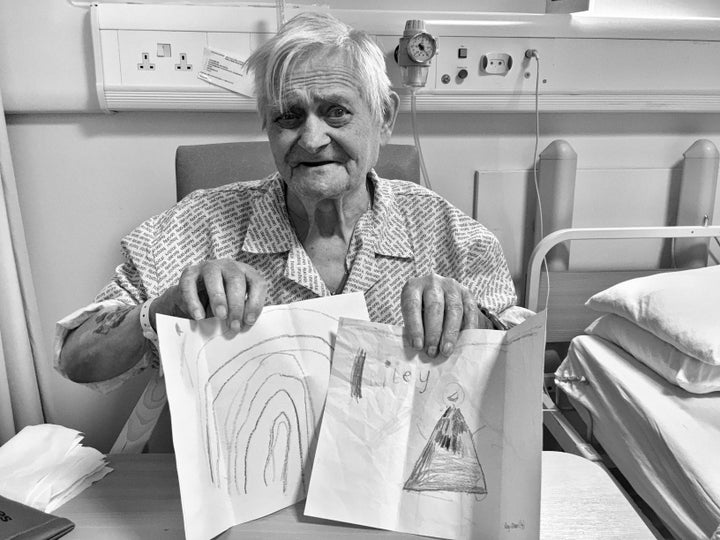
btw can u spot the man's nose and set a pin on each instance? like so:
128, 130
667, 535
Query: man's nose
313, 134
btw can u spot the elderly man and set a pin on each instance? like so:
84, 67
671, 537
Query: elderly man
324, 224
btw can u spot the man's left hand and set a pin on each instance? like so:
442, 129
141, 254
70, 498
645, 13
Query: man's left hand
435, 309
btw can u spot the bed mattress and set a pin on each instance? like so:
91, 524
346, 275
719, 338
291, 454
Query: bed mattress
664, 440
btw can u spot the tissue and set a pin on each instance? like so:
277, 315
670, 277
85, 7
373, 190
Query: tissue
44, 466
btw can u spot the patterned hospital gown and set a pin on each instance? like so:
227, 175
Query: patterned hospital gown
409, 231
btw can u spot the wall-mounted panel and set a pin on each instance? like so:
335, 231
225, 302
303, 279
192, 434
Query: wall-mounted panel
585, 63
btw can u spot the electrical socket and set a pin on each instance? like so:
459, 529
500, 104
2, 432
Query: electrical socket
183, 65
156, 58
145, 64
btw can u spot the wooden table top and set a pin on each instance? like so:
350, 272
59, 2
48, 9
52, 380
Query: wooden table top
140, 499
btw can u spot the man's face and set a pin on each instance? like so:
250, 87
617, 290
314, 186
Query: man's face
327, 139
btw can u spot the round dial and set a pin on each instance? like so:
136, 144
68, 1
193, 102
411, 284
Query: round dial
421, 47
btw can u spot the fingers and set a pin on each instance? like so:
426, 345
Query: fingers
433, 316
214, 282
471, 312
435, 310
454, 311
235, 292
411, 303
256, 294
190, 299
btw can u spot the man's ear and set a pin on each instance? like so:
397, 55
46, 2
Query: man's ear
389, 116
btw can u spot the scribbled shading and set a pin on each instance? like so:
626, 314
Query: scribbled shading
357, 373
449, 461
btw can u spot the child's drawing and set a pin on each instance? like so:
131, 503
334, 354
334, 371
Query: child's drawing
256, 407
449, 461
246, 408
445, 448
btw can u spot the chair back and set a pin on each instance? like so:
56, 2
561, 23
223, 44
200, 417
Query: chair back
211, 165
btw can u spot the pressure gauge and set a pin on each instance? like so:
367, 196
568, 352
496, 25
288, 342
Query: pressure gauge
414, 53
421, 47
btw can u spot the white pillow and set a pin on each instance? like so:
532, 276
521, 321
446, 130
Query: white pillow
673, 365
681, 308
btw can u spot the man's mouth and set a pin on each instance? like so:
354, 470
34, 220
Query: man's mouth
313, 163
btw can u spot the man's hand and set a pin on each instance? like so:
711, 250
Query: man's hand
435, 309
223, 288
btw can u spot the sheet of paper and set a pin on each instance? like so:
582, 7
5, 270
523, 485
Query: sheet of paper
245, 408
449, 449
226, 70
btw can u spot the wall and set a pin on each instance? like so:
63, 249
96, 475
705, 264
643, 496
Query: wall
86, 179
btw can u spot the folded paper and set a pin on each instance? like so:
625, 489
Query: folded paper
245, 407
445, 448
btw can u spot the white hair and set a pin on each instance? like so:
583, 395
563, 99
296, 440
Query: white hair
312, 34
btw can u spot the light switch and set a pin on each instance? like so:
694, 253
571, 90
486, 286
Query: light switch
163, 50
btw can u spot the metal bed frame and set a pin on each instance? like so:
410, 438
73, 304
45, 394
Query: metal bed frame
564, 293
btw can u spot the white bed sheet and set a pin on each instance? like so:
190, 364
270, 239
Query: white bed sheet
664, 440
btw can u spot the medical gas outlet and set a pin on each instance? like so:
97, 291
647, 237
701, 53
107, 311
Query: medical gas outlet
413, 54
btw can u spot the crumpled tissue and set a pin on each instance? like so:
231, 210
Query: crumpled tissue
44, 466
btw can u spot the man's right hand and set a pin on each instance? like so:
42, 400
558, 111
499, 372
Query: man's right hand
223, 288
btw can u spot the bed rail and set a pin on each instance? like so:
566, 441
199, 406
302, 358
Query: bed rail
567, 315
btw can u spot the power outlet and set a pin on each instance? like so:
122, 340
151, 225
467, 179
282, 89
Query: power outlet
152, 58
183, 65
496, 63
145, 64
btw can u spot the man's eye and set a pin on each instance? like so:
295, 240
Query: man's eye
287, 120
338, 112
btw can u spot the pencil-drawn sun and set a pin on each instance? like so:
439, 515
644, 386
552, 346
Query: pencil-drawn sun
454, 394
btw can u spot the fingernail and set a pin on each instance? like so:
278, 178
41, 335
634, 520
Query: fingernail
220, 312
250, 319
432, 351
235, 325
417, 344
197, 314
447, 349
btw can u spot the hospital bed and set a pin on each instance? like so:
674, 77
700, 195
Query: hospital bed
662, 436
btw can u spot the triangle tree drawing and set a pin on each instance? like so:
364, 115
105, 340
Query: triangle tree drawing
449, 461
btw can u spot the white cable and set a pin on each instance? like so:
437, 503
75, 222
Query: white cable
533, 54
413, 114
